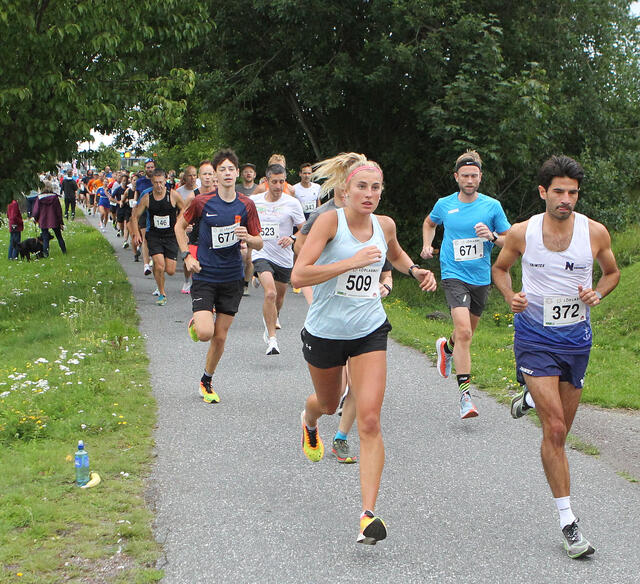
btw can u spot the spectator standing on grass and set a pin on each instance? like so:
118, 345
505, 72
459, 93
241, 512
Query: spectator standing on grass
47, 213
31, 201
14, 217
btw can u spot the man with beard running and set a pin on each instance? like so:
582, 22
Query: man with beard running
473, 224
552, 339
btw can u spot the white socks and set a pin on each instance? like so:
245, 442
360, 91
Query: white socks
529, 399
563, 504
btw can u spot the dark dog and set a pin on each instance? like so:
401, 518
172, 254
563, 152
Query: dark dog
29, 246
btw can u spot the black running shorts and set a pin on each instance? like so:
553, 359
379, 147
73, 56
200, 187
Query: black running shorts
328, 353
123, 214
223, 296
280, 274
165, 245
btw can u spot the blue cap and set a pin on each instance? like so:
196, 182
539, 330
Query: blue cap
149, 160
80, 445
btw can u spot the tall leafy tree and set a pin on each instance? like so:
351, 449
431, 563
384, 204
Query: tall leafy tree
413, 83
72, 65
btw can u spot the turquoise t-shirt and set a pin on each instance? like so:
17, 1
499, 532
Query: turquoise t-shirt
462, 255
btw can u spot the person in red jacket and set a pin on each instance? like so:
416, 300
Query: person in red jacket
14, 217
47, 213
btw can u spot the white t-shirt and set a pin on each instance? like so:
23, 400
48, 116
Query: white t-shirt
308, 196
277, 220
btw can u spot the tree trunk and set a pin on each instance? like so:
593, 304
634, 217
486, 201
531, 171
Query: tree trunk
295, 106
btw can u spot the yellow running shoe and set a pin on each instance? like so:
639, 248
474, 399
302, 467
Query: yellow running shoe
208, 394
191, 327
312, 444
372, 529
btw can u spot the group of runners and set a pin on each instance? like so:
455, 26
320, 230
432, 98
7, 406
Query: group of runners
340, 255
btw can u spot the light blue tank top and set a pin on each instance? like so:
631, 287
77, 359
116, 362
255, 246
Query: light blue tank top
340, 309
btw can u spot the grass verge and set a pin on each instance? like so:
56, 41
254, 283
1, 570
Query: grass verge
74, 367
582, 446
625, 475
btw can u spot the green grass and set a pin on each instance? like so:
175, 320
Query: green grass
582, 446
73, 367
625, 475
419, 318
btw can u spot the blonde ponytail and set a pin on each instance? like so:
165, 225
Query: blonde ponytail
336, 170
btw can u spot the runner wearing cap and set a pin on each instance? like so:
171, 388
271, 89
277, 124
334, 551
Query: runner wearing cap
248, 176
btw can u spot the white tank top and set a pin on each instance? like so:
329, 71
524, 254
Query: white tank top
348, 306
555, 317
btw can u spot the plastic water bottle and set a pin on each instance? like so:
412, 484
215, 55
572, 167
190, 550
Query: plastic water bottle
82, 465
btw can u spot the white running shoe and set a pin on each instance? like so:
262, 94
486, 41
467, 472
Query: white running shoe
156, 292
147, 269
255, 281
272, 347
186, 287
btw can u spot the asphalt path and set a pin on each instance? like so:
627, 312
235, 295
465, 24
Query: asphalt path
464, 501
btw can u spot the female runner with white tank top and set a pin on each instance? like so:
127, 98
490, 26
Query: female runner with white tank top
342, 259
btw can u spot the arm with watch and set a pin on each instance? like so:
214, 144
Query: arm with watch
401, 260
493, 236
425, 277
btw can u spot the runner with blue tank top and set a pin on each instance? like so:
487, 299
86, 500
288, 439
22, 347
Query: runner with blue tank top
552, 337
342, 259
473, 224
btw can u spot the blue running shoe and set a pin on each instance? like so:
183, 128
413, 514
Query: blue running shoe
444, 358
467, 409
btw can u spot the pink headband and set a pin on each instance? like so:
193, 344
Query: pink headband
355, 170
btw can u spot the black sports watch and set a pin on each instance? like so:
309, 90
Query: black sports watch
411, 268
185, 254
